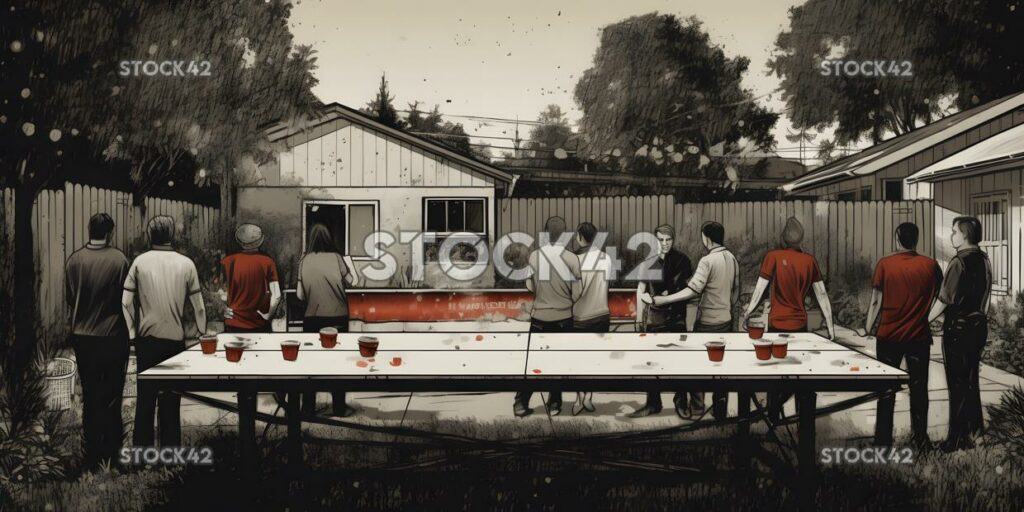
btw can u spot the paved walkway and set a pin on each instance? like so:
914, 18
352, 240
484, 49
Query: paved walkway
613, 408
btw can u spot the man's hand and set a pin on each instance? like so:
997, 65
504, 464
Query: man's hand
646, 298
230, 313
265, 316
658, 301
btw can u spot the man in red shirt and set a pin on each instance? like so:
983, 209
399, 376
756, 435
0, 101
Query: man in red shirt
793, 274
253, 288
905, 286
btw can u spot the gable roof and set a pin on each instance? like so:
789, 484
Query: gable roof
332, 112
896, 149
1005, 149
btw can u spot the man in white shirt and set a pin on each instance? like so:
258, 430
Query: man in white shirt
590, 312
158, 284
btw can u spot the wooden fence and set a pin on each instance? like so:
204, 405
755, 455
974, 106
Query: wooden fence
60, 223
838, 233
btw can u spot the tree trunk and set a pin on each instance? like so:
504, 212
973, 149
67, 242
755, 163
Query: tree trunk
23, 350
227, 206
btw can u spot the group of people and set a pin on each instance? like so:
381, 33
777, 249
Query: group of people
909, 292
115, 305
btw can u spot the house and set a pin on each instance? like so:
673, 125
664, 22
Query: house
985, 180
356, 176
878, 172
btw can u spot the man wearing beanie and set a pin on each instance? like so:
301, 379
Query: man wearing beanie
793, 274
253, 288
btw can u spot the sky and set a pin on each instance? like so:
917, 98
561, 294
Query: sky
507, 59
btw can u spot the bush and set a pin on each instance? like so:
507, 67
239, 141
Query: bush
1006, 423
850, 294
1005, 349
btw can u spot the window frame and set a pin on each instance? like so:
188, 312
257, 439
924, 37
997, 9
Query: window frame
348, 218
441, 236
885, 184
1002, 196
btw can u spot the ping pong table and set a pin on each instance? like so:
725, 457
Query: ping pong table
520, 361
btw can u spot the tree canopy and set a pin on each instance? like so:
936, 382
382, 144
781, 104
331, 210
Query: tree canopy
659, 89
551, 137
382, 107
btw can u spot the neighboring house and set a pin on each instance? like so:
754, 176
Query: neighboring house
357, 176
985, 180
878, 172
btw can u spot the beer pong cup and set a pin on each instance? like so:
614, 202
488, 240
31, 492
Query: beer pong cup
328, 337
290, 350
780, 348
208, 342
233, 351
755, 329
368, 346
763, 350
716, 350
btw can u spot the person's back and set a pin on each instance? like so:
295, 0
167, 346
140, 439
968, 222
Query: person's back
792, 272
162, 280
94, 278
249, 275
552, 291
594, 268
716, 293
909, 282
972, 271
323, 279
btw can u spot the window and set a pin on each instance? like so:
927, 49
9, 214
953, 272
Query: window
865, 194
893, 190
992, 210
443, 217
846, 196
349, 223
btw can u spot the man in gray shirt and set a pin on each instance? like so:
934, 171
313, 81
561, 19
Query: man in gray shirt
555, 284
158, 284
92, 282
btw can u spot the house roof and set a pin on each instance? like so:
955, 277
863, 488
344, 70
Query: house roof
1005, 149
880, 156
334, 111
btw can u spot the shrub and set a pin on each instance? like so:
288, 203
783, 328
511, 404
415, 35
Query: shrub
850, 294
1006, 423
1005, 349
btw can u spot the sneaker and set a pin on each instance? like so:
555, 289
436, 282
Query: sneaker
554, 408
344, 412
645, 411
588, 402
578, 407
521, 410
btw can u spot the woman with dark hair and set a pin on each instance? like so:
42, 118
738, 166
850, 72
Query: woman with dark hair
323, 273
963, 303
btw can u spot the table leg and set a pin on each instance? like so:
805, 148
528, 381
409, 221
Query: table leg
743, 428
247, 428
806, 448
294, 440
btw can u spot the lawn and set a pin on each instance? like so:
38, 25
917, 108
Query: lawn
367, 470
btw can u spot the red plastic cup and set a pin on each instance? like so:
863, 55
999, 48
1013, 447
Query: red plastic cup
716, 350
290, 350
780, 348
368, 346
328, 337
755, 330
233, 351
208, 342
763, 350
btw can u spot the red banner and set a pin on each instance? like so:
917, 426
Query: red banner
456, 305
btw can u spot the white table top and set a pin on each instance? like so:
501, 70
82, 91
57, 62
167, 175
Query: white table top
505, 355
388, 340
672, 341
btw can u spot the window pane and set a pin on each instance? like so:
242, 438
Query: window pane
435, 216
865, 194
361, 224
893, 191
456, 216
475, 216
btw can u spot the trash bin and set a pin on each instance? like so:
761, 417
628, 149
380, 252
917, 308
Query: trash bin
60, 383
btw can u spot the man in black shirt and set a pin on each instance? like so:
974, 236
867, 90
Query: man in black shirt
93, 280
964, 300
675, 271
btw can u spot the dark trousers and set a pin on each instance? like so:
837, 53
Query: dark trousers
654, 397
149, 403
777, 399
598, 324
962, 344
102, 363
314, 324
892, 353
251, 330
554, 396
719, 399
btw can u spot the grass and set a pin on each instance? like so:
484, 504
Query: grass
351, 476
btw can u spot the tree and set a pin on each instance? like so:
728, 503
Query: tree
550, 138
915, 35
65, 96
432, 126
659, 90
382, 107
